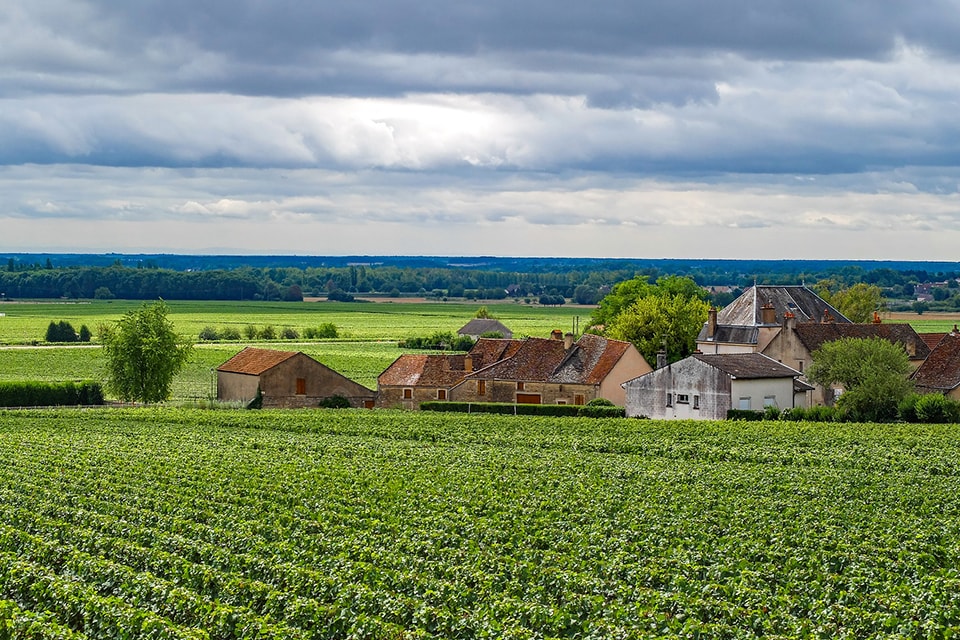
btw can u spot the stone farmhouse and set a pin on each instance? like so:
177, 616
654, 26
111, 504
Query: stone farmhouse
285, 379
705, 387
789, 323
558, 370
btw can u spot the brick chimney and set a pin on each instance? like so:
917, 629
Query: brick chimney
567, 341
768, 315
556, 334
711, 323
876, 318
789, 320
468, 363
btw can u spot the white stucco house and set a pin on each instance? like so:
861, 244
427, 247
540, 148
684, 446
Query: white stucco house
705, 387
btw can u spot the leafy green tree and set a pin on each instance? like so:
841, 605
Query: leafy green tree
85, 335
657, 319
871, 371
484, 313
859, 301
626, 293
143, 354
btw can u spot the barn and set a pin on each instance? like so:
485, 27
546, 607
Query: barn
285, 379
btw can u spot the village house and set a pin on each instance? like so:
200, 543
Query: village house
940, 372
559, 370
749, 323
706, 387
288, 379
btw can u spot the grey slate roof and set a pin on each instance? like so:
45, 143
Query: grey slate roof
805, 305
747, 365
480, 326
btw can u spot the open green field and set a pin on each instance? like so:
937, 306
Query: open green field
367, 342
166, 523
25, 323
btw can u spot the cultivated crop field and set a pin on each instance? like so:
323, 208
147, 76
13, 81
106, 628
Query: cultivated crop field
25, 323
378, 524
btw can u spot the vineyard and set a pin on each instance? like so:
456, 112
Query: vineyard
356, 524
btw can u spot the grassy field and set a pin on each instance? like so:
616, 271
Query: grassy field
367, 342
25, 323
169, 523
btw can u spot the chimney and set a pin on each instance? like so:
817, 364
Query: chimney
876, 318
827, 318
468, 363
567, 341
556, 334
711, 323
768, 315
789, 320
661, 359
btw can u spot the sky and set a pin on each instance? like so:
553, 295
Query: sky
773, 129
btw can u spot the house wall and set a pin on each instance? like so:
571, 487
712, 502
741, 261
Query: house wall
787, 349
725, 347
781, 389
507, 390
647, 395
630, 365
391, 397
236, 387
279, 384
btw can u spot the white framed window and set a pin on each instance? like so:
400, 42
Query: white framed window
744, 403
683, 398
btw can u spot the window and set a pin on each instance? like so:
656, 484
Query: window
669, 400
519, 386
481, 387
745, 403
683, 398
441, 394
696, 402
800, 366
578, 398
561, 401
408, 394
301, 386
769, 401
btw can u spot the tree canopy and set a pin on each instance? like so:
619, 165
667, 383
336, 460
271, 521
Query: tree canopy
871, 371
143, 354
858, 303
670, 311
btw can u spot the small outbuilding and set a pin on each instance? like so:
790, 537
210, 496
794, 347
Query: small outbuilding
285, 379
485, 327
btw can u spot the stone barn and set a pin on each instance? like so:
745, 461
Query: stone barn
285, 379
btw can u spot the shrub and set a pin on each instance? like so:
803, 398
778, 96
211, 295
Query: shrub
601, 410
49, 394
84, 335
230, 333
907, 408
335, 402
268, 332
250, 332
61, 332
289, 333
744, 414
936, 408
208, 334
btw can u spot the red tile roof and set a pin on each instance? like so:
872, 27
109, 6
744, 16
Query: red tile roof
253, 361
415, 370
588, 361
941, 369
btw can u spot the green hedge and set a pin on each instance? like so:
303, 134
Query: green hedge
50, 394
744, 414
570, 410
